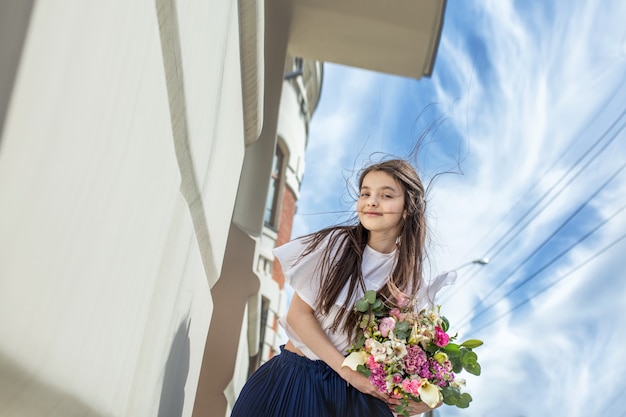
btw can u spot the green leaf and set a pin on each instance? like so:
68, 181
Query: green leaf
364, 370
401, 410
472, 368
472, 343
449, 401
450, 391
432, 348
457, 365
402, 326
450, 395
370, 296
378, 305
451, 347
360, 341
453, 396
469, 356
362, 306
462, 352
464, 400
402, 335
445, 324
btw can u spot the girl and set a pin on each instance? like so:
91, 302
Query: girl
329, 270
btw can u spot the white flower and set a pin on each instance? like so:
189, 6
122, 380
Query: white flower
458, 383
429, 393
355, 359
398, 349
376, 349
416, 336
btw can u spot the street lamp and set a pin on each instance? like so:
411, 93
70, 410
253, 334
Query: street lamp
480, 261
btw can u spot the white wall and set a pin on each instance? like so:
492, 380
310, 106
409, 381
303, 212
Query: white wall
292, 127
119, 162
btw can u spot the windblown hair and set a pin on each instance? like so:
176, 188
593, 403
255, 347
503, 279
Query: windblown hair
342, 257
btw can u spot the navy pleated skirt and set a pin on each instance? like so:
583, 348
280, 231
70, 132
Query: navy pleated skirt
289, 385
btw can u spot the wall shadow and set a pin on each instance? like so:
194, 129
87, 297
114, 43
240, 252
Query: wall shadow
22, 394
14, 24
176, 373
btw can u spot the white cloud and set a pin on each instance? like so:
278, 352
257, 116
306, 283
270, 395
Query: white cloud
551, 356
567, 344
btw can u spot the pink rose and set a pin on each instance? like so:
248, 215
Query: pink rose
441, 337
402, 300
395, 313
386, 325
411, 386
371, 363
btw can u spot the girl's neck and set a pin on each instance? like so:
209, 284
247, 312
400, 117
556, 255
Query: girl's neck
383, 244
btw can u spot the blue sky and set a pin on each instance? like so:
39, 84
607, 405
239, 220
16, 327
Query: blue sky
526, 108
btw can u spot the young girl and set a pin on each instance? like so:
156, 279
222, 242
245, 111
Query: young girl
329, 270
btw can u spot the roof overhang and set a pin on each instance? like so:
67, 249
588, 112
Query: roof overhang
392, 36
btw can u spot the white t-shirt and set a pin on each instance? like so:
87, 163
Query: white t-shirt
304, 276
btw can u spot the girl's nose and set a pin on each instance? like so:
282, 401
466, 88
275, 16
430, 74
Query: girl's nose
372, 201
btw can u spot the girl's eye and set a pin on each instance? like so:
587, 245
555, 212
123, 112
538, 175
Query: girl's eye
364, 194
386, 196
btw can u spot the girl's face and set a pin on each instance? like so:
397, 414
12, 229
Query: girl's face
381, 204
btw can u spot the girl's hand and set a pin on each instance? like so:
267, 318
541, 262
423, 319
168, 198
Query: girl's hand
362, 383
420, 407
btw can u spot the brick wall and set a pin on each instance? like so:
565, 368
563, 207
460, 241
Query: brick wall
285, 223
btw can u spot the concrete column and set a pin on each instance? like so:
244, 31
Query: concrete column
230, 294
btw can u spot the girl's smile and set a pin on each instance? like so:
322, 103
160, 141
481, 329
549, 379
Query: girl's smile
381, 206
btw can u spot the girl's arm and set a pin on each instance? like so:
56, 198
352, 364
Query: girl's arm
302, 320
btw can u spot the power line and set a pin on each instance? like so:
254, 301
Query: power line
545, 266
552, 284
613, 137
566, 149
547, 193
576, 163
545, 241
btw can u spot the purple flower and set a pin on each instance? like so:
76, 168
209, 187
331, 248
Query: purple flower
414, 360
378, 378
441, 373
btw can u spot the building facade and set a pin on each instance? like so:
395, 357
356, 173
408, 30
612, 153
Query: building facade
143, 172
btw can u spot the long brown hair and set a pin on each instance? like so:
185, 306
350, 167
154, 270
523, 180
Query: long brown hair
342, 257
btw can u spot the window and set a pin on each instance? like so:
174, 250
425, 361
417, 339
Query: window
257, 360
272, 204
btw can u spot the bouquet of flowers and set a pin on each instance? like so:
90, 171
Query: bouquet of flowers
409, 355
